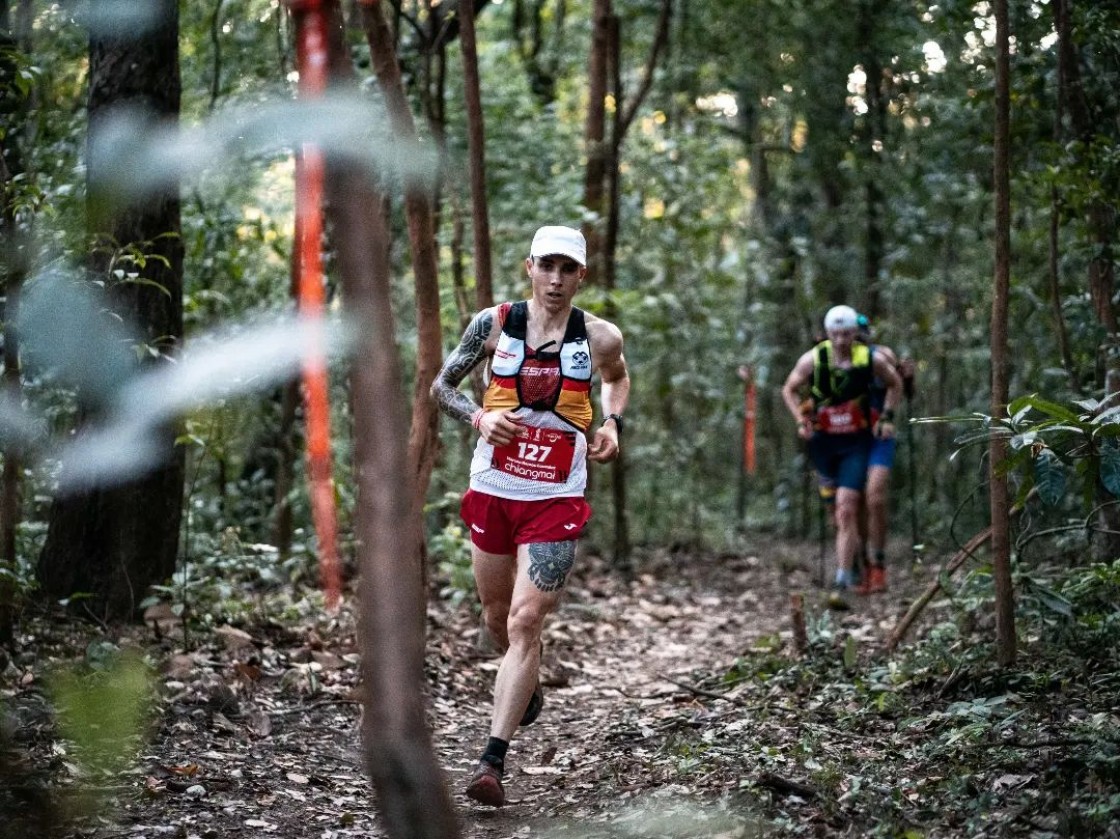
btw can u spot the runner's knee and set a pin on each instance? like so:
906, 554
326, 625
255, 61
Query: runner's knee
847, 510
525, 622
496, 617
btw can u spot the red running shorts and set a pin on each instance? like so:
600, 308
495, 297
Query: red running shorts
499, 525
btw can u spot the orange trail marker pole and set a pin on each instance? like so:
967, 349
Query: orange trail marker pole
311, 48
748, 461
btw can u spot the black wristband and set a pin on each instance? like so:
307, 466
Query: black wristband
617, 421
887, 415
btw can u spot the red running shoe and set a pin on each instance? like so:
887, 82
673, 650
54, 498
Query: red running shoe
874, 582
486, 785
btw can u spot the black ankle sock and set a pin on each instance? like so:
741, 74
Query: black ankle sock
495, 753
880, 558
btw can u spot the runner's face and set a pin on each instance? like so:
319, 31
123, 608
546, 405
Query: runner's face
842, 338
556, 279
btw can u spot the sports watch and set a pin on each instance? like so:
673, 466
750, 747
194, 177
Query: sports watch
617, 421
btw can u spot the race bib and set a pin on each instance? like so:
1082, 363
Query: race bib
540, 454
841, 419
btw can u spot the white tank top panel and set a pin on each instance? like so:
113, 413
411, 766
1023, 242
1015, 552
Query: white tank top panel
549, 462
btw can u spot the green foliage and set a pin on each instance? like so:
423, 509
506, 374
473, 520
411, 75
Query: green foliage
102, 712
229, 580
1051, 444
975, 744
747, 206
450, 547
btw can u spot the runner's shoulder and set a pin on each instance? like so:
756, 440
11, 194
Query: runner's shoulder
605, 338
488, 319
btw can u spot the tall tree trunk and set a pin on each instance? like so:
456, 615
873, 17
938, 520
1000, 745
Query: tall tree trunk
423, 440
1061, 20
595, 136
621, 550
113, 543
412, 793
612, 182
1102, 224
476, 144
1054, 287
874, 138
1101, 217
997, 478
286, 448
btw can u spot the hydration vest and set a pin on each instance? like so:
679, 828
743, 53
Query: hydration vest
556, 380
841, 396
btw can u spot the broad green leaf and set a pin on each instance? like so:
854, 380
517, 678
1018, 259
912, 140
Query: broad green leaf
1049, 477
1052, 408
1052, 600
1110, 467
1111, 416
1019, 405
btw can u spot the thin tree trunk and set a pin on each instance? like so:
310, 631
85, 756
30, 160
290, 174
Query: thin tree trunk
997, 480
594, 135
1061, 20
1101, 218
874, 137
476, 145
282, 523
1055, 289
623, 119
412, 793
423, 440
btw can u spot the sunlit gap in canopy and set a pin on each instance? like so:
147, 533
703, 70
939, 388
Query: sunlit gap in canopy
857, 87
935, 57
722, 103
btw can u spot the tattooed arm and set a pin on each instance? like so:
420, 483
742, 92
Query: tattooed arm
471, 350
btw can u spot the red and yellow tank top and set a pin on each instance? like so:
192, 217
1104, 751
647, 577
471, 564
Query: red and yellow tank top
549, 388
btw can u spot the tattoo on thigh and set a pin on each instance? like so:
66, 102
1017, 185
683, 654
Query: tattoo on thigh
549, 564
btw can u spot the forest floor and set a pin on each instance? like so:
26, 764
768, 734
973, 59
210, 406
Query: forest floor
675, 706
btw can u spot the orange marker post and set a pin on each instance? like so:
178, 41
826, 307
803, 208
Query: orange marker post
311, 48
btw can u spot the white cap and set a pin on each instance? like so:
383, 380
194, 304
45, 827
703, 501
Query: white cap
841, 317
566, 241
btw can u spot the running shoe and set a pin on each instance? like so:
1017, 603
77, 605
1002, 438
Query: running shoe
533, 709
486, 785
876, 581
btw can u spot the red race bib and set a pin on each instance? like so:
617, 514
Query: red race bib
841, 419
539, 454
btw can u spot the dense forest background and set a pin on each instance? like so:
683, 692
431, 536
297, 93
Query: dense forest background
754, 163
738, 168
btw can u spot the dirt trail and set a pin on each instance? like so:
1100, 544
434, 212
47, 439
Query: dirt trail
258, 733
603, 757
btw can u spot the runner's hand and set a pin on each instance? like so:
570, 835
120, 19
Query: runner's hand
884, 429
498, 428
604, 446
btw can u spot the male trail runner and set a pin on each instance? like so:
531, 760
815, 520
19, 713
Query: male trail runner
525, 507
840, 429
